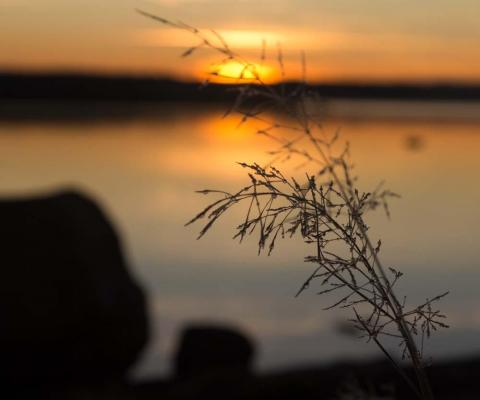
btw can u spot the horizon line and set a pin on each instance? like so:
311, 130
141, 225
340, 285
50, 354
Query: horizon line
97, 74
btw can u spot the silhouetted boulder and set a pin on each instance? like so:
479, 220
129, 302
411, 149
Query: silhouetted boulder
69, 310
210, 350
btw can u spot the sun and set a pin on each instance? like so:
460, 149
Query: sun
234, 72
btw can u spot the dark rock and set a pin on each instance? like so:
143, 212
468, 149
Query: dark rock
210, 350
69, 310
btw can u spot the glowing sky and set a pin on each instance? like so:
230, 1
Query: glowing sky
343, 39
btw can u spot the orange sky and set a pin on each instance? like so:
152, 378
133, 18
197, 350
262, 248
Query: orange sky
345, 40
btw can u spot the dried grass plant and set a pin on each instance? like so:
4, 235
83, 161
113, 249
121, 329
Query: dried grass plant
326, 209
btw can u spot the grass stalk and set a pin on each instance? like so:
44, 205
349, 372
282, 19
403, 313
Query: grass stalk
327, 210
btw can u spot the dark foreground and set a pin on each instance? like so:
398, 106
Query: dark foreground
342, 381
74, 322
453, 381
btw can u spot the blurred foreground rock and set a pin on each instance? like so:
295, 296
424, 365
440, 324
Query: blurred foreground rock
212, 349
70, 313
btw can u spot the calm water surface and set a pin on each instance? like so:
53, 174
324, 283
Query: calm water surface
145, 169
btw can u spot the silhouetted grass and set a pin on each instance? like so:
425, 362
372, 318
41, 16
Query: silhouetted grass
325, 208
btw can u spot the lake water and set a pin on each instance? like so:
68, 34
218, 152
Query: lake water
144, 167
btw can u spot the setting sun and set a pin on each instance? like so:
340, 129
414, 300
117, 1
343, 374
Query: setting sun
233, 72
